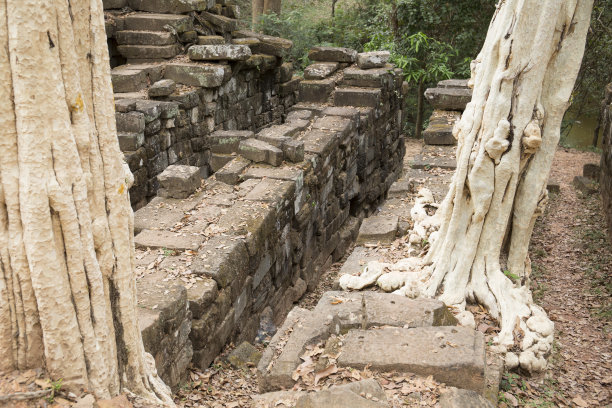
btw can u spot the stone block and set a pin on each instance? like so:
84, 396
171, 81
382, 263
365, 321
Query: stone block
319, 141
150, 109
316, 91
332, 54
168, 6
114, 4
440, 129
156, 22
131, 122
125, 105
227, 141
361, 97
320, 70
217, 161
129, 142
452, 355
201, 295
162, 213
227, 52
162, 88
378, 229
167, 239
375, 59
178, 181
360, 394
370, 78
134, 37
299, 115
249, 41
223, 23
204, 75
128, 80
289, 87
149, 52
454, 99
244, 356
210, 40
294, 150
260, 151
286, 72
458, 398
344, 126
591, 170
270, 190
224, 259
453, 83
586, 185
231, 172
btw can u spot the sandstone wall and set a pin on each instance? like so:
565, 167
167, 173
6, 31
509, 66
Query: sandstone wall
262, 230
606, 160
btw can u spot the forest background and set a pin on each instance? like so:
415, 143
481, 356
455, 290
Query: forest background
432, 40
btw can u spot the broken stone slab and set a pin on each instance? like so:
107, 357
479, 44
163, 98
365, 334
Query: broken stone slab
230, 173
453, 99
299, 115
459, 398
342, 125
249, 41
162, 213
453, 355
192, 74
440, 129
316, 91
275, 46
167, 239
361, 97
320, 70
345, 112
178, 181
374, 59
136, 37
321, 142
227, 52
223, 259
378, 229
225, 24
270, 190
211, 40
360, 394
401, 188
260, 151
149, 52
161, 88
244, 356
157, 22
332, 54
453, 83
128, 80
278, 173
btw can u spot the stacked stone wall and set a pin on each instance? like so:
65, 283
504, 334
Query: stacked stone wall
606, 159
286, 204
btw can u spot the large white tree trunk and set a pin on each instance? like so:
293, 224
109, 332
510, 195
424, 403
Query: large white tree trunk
508, 134
67, 289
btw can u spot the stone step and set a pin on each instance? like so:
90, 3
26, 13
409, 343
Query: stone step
453, 355
449, 98
361, 97
134, 78
435, 179
149, 52
453, 83
191, 74
228, 52
332, 54
440, 129
378, 229
442, 157
171, 6
156, 22
136, 37
316, 91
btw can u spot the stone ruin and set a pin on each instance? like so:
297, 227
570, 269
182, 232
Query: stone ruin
605, 177
251, 180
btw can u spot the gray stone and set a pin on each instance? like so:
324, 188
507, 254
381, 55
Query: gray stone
278, 47
448, 98
204, 75
162, 88
129, 142
294, 150
453, 355
586, 185
361, 394
217, 161
244, 356
227, 141
135, 37
440, 129
286, 72
370, 78
223, 259
298, 115
270, 190
201, 295
316, 91
149, 52
227, 52
458, 398
591, 170
168, 6
114, 4
230, 173
320, 70
260, 151
374, 59
167, 239
439, 156
362, 97
210, 40
156, 22
378, 229
453, 83
223, 23
125, 105
332, 54
128, 80
150, 109
178, 181
131, 122
162, 213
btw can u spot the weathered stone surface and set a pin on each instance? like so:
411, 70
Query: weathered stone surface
130, 141
221, 22
178, 181
372, 78
453, 99
316, 91
260, 151
131, 122
378, 229
459, 398
453, 83
586, 185
374, 59
286, 72
210, 40
135, 37
162, 88
332, 54
218, 160
230, 173
156, 22
362, 97
435, 156
227, 141
222, 259
298, 115
440, 129
453, 355
162, 213
149, 52
168, 6
201, 295
114, 4
250, 41
270, 190
294, 150
278, 47
128, 80
244, 356
227, 52
361, 394
167, 239
204, 75
591, 170
320, 70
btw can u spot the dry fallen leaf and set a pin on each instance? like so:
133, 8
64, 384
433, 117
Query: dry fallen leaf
332, 369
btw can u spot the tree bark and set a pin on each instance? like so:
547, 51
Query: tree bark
67, 288
418, 127
257, 6
508, 135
